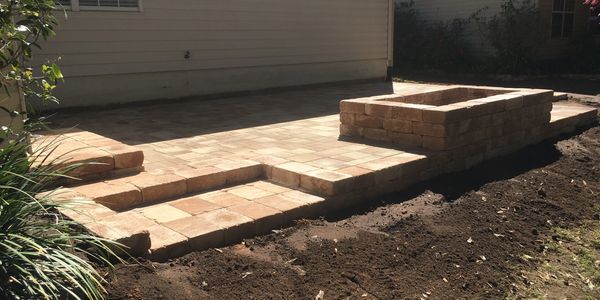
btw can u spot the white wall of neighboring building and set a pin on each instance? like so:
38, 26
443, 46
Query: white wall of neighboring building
233, 45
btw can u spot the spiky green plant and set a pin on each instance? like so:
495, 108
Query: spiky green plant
42, 255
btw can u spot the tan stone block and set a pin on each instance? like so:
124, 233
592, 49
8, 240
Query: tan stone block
89, 161
486, 106
241, 171
303, 158
376, 134
302, 197
494, 132
288, 174
113, 196
134, 244
194, 205
347, 118
281, 203
514, 102
349, 106
85, 211
223, 199
203, 179
327, 183
59, 195
368, 121
155, 188
254, 210
354, 171
348, 130
127, 157
469, 138
166, 243
435, 143
297, 167
268, 186
378, 164
249, 192
378, 110
536, 97
128, 228
163, 213
361, 177
130, 221
225, 218
499, 119
407, 111
407, 139
269, 160
430, 129
435, 115
396, 125
201, 232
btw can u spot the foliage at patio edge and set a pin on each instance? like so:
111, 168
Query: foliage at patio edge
24, 24
42, 255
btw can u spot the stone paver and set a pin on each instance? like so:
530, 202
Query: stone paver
220, 170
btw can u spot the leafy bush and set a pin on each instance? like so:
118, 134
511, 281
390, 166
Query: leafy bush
421, 45
24, 23
516, 34
42, 255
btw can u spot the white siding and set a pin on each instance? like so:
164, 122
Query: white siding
271, 43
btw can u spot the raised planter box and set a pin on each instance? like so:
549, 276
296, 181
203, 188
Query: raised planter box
450, 118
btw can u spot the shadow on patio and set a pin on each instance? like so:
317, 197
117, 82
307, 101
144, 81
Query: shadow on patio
148, 123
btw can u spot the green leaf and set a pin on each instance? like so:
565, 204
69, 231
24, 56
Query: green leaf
56, 71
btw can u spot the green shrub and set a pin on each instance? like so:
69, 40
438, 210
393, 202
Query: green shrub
515, 34
23, 24
421, 45
42, 255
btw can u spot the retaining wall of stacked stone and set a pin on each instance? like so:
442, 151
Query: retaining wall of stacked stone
461, 134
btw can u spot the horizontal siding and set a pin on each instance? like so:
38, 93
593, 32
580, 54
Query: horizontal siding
219, 34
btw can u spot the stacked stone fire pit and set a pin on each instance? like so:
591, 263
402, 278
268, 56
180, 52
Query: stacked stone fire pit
472, 122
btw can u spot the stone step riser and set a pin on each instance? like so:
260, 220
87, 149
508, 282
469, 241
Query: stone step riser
86, 160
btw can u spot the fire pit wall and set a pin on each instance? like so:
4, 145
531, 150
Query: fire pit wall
471, 121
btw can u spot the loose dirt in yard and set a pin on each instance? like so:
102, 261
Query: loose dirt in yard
520, 226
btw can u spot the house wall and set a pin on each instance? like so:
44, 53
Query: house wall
234, 45
444, 10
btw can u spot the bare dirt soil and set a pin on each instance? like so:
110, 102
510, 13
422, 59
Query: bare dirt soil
523, 226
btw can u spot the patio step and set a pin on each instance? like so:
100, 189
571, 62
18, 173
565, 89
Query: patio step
195, 221
97, 156
568, 116
560, 96
147, 188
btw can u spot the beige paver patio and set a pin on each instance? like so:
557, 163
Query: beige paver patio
219, 170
